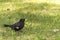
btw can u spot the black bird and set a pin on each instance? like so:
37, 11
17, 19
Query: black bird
17, 26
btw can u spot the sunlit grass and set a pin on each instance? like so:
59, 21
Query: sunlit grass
41, 21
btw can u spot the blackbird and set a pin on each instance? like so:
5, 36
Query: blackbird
17, 26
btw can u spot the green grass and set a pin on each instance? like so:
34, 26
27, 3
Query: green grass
41, 20
11, 0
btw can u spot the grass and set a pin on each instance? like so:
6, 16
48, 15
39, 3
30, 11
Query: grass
41, 21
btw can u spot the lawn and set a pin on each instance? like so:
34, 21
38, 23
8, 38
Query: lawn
42, 21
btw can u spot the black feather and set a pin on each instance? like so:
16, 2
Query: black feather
17, 26
7, 25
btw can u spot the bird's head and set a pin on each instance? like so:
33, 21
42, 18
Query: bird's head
22, 20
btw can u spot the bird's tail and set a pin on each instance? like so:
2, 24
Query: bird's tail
7, 25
